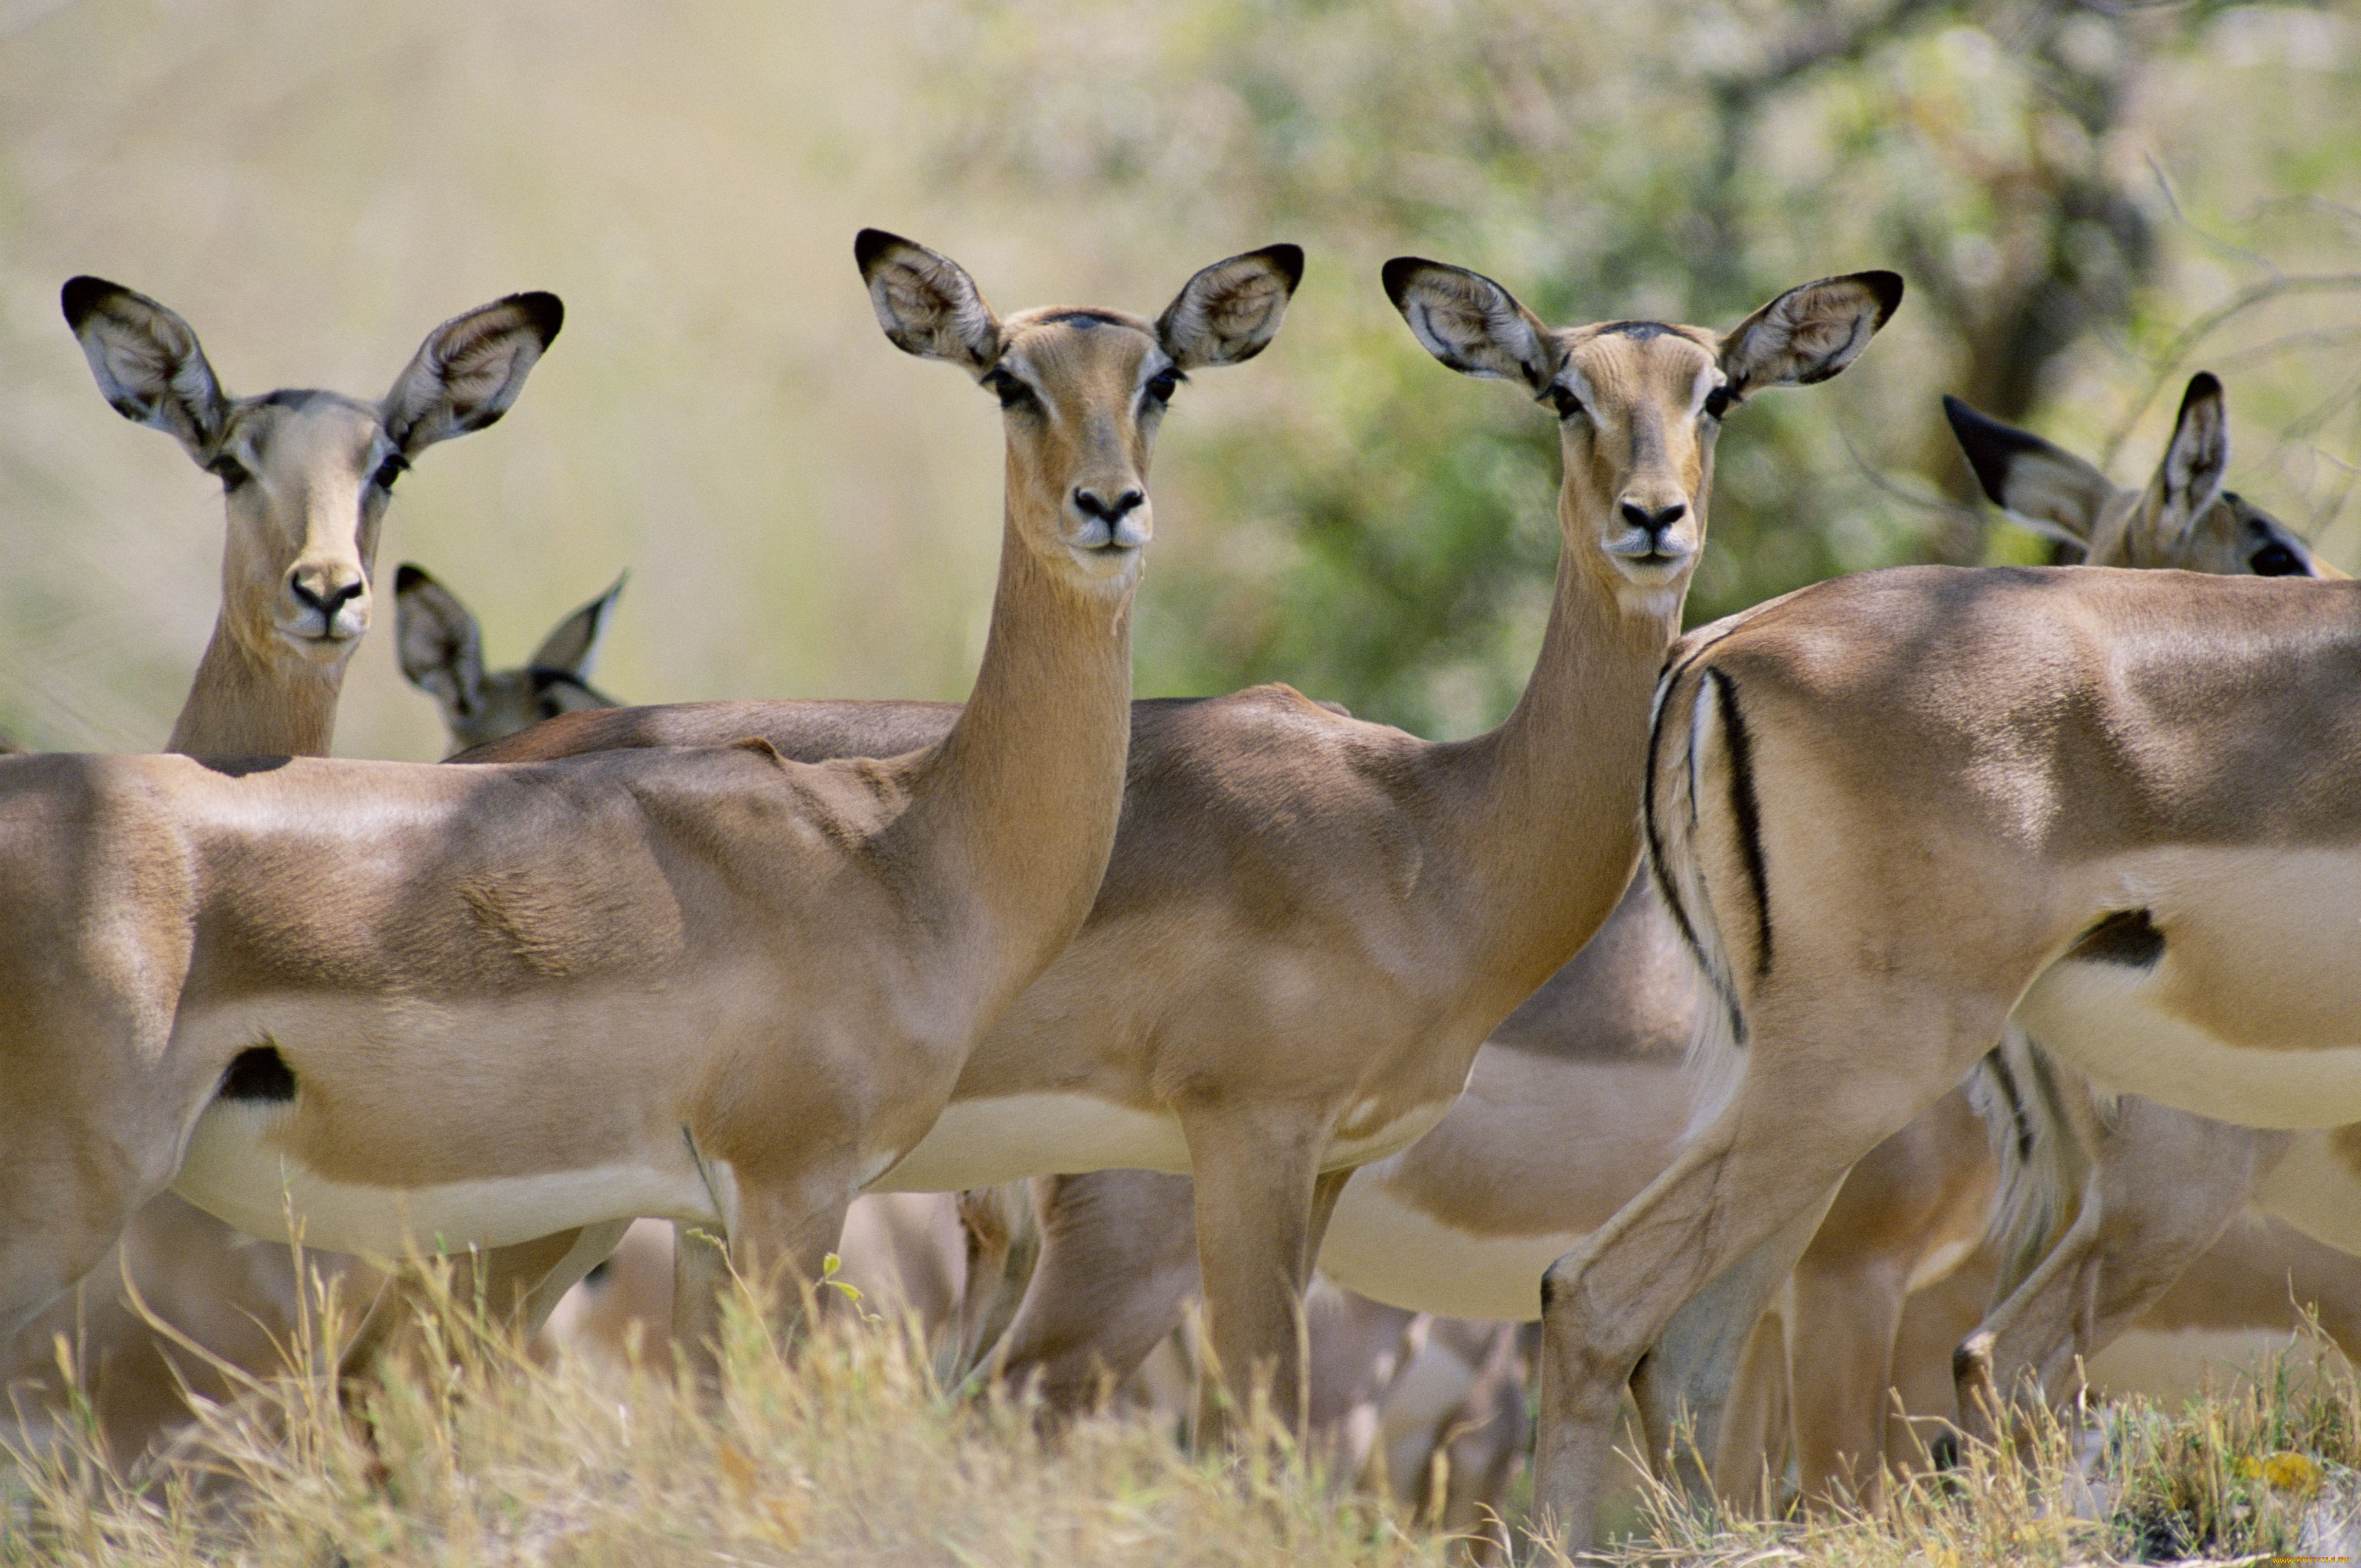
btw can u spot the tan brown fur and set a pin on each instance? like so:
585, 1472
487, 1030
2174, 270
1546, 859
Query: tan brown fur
1954, 775
808, 952
1311, 922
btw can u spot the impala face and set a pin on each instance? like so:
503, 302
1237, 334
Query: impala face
1081, 389
305, 477
2181, 518
1639, 403
304, 474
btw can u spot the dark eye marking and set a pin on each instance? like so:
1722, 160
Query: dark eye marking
1717, 402
229, 470
394, 467
1011, 391
1565, 403
1162, 385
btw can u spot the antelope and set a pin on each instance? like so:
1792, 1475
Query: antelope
442, 652
305, 480
1309, 921
399, 1004
1580, 1097
1891, 811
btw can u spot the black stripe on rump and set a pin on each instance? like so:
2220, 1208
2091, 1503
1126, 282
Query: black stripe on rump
1748, 811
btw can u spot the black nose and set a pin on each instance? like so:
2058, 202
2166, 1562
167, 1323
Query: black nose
1655, 522
1090, 504
327, 604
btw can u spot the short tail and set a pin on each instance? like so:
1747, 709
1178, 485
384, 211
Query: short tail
2043, 1120
1689, 724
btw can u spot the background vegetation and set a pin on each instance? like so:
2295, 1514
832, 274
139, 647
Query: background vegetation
2088, 200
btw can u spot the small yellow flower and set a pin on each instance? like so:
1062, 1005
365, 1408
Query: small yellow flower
2283, 1471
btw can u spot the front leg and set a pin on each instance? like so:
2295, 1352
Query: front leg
1258, 1202
779, 1244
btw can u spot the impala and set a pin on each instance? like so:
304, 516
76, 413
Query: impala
441, 649
305, 479
1311, 922
1891, 810
487, 1004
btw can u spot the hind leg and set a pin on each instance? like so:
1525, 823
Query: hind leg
1811, 1104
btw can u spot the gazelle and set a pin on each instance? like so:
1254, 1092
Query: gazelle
1891, 810
305, 479
487, 1004
1311, 922
442, 654
1579, 1098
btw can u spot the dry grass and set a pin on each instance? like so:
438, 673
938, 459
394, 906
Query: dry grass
848, 1451
845, 1452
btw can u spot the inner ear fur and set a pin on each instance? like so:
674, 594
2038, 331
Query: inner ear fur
147, 363
926, 302
573, 646
436, 641
2046, 489
1229, 312
1810, 333
1472, 323
2197, 459
470, 370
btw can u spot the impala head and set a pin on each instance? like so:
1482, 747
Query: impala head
2183, 517
304, 474
1639, 403
442, 654
1081, 389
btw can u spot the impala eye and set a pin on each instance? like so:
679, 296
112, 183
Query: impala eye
1717, 402
1162, 385
394, 467
2276, 560
1012, 392
1565, 403
229, 470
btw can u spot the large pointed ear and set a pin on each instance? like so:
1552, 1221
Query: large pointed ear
148, 363
2048, 490
2195, 462
926, 302
1808, 333
470, 370
435, 637
573, 648
1229, 312
1472, 323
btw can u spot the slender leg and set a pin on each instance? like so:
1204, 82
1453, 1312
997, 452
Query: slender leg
1117, 1266
785, 1230
1752, 1456
1257, 1176
1806, 1110
1687, 1377
2163, 1186
1841, 1367
502, 1277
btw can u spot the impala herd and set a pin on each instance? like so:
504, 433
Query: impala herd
1246, 985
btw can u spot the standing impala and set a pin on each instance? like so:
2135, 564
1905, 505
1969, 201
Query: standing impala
1580, 1097
487, 1004
1311, 922
305, 478
1891, 809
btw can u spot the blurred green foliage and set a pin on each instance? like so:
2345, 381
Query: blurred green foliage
1387, 538
2090, 200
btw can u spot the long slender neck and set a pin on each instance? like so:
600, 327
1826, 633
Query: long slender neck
1018, 804
1547, 824
243, 704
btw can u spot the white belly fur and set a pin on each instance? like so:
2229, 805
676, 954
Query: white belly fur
233, 1173
976, 1143
2100, 1018
2316, 1192
1390, 1252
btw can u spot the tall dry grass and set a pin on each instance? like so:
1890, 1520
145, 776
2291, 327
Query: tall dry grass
848, 1450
